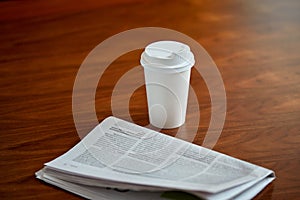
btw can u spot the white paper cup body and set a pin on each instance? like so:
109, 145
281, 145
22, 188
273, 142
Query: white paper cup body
167, 95
167, 84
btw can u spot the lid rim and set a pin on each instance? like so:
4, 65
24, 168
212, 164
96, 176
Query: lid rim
168, 71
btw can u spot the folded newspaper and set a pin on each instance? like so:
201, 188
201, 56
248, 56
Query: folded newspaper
119, 160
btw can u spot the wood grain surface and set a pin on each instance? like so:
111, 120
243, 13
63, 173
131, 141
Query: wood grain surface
254, 43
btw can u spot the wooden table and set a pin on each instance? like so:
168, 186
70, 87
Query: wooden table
255, 45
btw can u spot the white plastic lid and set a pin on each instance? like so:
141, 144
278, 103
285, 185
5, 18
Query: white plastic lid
167, 56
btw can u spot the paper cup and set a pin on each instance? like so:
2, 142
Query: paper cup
167, 68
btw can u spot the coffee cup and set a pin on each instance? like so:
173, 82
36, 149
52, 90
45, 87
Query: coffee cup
167, 69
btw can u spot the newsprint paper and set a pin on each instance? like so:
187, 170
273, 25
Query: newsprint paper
119, 160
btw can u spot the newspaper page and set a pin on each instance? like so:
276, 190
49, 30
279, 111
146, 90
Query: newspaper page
242, 192
122, 153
